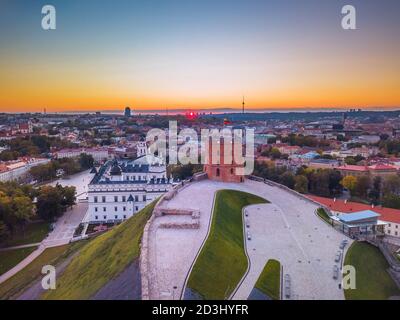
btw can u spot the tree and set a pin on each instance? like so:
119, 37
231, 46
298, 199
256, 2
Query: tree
6, 211
335, 188
4, 231
183, 172
287, 179
49, 203
86, 161
275, 153
391, 201
68, 195
301, 184
363, 185
350, 183
22, 209
391, 184
375, 192
350, 161
358, 158
8, 155
44, 172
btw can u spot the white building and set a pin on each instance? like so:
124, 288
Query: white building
98, 154
17, 170
123, 187
141, 148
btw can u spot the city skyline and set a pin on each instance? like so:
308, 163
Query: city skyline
154, 55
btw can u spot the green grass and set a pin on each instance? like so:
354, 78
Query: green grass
34, 233
373, 282
101, 260
222, 261
323, 215
22, 279
10, 258
269, 281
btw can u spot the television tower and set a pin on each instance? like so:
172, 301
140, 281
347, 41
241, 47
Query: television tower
243, 105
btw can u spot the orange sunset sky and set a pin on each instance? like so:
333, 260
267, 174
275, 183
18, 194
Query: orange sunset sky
178, 54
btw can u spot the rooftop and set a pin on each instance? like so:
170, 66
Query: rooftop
386, 214
356, 216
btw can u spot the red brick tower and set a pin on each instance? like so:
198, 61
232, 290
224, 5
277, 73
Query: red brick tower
224, 172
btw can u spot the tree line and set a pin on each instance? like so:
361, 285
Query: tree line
33, 145
49, 171
20, 204
330, 183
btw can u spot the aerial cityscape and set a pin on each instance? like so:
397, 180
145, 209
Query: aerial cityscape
197, 157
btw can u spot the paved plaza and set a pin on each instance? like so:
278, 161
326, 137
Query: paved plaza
287, 229
80, 181
65, 226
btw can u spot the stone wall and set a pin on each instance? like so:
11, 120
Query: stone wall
293, 192
144, 265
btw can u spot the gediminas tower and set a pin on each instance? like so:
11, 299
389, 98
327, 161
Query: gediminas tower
223, 170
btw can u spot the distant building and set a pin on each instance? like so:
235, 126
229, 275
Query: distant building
391, 217
381, 170
127, 112
98, 154
323, 163
360, 224
18, 170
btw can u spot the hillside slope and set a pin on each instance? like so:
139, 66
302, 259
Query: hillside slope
102, 259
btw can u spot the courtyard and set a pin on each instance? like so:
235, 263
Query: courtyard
286, 229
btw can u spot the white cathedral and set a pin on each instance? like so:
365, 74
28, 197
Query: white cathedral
123, 187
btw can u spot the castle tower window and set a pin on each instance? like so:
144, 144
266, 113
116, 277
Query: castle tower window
218, 173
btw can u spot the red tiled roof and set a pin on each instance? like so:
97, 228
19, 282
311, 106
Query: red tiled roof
387, 214
380, 166
353, 168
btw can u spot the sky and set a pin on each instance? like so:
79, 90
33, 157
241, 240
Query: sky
158, 54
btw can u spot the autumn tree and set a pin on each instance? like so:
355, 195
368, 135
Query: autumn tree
301, 184
350, 183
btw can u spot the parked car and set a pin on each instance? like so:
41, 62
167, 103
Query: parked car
287, 285
248, 235
247, 223
335, 272
246, 213
343, 244
338, 256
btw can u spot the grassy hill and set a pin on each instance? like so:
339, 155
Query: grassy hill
12, 287
373, 282
101, 259
269, 281
222, 261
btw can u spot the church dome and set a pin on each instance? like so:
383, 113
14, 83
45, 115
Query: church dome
115, 170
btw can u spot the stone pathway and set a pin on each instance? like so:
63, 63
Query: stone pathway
61, 235
287, 230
